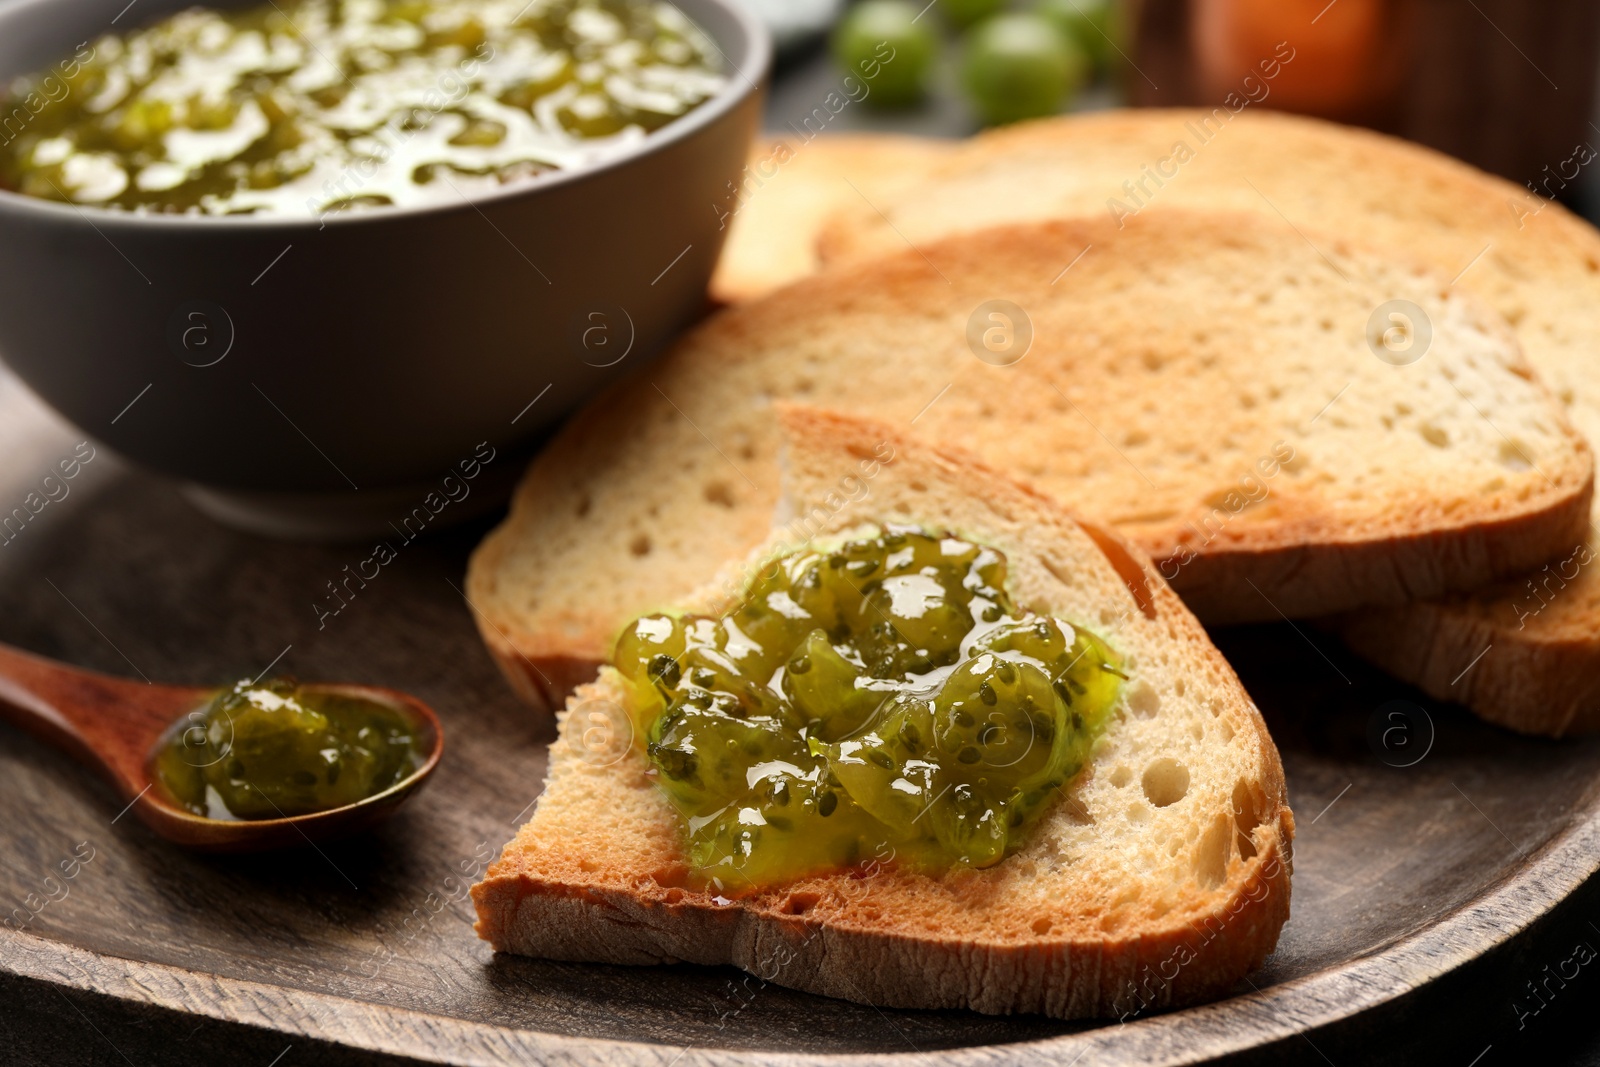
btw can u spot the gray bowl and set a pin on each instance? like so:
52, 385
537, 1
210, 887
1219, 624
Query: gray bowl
319, 377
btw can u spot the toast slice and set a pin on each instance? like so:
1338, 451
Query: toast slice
790, 187
1161, 877
1202, 383
1524, 653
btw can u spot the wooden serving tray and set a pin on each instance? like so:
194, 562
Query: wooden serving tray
1418, 889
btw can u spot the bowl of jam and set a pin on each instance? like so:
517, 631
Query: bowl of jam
311, 256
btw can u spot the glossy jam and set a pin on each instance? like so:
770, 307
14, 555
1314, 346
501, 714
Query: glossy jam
310, 106
880, 701
272, 749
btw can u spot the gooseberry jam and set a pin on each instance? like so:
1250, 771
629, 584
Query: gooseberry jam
272, 749
311, 106
883, 700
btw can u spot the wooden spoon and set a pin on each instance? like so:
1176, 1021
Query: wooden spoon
113, 725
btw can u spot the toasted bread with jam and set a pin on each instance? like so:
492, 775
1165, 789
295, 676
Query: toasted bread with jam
1159, 877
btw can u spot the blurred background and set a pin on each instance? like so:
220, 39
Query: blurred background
1507, 85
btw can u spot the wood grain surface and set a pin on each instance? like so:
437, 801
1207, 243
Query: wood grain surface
1438, 883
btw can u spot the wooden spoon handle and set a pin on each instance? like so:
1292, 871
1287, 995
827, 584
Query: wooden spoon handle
107, 723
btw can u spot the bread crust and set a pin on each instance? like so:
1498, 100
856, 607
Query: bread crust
1545, 683
895, 937
1398, 571
1118, 977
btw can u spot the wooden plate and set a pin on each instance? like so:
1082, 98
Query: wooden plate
1433, 852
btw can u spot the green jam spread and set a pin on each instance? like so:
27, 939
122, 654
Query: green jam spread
273, 749
881, 701
318, 105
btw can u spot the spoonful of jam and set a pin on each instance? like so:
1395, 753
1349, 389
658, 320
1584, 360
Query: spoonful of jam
258, 765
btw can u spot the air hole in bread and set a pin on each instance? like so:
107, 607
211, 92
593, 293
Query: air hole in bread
1211, 854
1165, 781
640, 545
719, 493
671, 876
1246, 816
672, 896
1143, 700
1514, 454
917, 487
1121, 776
799, 903
1435, 435
1075, 809
1041, 926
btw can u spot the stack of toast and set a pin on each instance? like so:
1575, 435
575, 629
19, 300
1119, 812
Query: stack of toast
1182, 368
